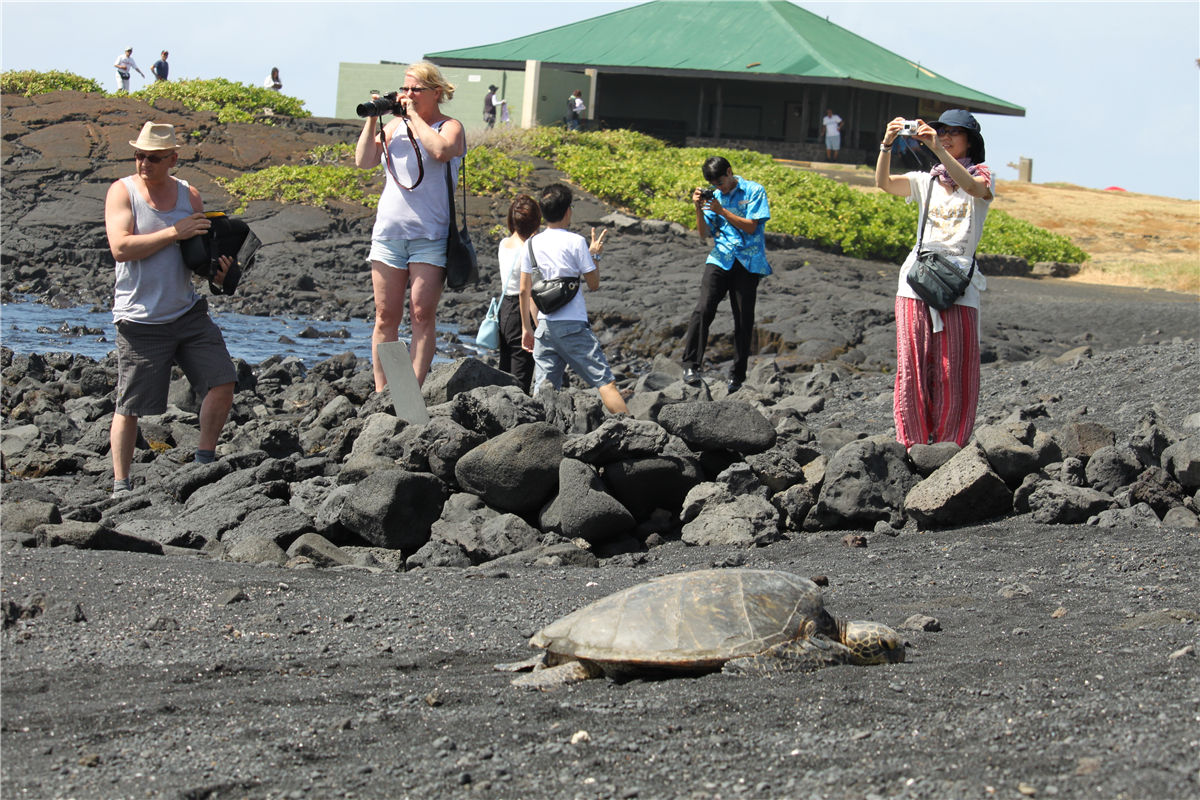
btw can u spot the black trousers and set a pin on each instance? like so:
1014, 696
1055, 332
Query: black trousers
513, 359
742, 288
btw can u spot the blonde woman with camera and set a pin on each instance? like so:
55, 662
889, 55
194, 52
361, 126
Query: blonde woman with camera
937, 352
408, 242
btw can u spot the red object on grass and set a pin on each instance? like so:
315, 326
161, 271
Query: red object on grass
1113, 189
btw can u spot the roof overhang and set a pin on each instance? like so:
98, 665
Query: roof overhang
973, 104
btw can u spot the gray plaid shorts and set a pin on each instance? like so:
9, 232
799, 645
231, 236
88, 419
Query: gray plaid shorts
145, 354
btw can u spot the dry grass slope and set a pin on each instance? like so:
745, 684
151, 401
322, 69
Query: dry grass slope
1134, 239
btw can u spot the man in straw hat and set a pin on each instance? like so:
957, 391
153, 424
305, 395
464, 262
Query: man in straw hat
160, 318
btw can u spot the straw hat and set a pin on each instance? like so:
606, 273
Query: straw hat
156, 136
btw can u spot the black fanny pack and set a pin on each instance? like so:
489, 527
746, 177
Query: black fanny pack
550, 294
228, 236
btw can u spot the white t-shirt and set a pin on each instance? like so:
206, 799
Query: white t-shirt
126, 63
954, 228
831, 123
511, 259
562, 254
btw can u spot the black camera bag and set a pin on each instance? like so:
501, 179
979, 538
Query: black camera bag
550, 294
227, 236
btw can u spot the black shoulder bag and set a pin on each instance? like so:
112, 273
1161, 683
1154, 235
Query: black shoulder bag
462, 267
226, 236
550, 294
933, 277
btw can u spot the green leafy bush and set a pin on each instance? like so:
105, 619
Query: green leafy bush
233, 102
29, 82
650, 179
491, 171
307, 184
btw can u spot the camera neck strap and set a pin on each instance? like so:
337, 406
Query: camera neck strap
387, 157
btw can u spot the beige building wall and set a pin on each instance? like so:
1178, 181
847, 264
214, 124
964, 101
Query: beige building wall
535, 96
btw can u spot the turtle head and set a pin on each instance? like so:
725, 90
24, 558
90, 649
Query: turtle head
871, 642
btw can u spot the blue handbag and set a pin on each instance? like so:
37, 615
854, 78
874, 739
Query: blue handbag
488, 336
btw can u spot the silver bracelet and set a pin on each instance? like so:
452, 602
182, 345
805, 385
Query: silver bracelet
885, 148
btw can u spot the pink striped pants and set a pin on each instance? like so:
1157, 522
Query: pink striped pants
937, 374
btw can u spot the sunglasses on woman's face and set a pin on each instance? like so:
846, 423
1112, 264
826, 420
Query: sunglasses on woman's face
414, 89
150, 158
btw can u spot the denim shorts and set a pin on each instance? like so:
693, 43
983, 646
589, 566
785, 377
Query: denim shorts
558, 344
399, 252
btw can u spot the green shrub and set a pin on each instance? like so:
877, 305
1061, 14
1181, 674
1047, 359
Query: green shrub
307, 184
29, 82
329, 153
492, 172
233, 102
650, 179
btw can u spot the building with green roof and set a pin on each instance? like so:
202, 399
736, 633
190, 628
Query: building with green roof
759, 72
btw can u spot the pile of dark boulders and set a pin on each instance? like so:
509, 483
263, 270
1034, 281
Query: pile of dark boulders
315, 470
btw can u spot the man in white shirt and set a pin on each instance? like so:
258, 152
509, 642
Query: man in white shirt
833, 134
123, 65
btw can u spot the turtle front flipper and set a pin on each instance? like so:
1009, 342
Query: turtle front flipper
558, 675
795, 656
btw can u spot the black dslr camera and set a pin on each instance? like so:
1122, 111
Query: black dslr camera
387, 104
707, 195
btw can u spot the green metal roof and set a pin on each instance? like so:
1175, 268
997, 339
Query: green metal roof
757, 40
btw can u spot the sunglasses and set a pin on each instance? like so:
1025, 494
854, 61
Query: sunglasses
414, 89
150, 158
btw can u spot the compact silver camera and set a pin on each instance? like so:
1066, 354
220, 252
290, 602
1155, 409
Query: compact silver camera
908, 128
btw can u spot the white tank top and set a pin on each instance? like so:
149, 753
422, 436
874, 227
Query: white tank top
157, 289
424, 212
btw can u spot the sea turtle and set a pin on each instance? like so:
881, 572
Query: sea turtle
738, 620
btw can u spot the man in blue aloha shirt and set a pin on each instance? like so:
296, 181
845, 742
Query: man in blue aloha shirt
736, 214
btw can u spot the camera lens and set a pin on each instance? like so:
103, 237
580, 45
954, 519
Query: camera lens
375, 108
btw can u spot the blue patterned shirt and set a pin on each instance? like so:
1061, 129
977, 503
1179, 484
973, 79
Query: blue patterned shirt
748, 200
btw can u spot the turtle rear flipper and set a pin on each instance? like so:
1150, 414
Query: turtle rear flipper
796, 656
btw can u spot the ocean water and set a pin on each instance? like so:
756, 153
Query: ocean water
28, 327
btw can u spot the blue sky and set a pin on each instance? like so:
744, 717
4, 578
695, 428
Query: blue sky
1111, 90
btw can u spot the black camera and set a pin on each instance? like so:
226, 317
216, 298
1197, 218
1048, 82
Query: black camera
706, 195
377, 107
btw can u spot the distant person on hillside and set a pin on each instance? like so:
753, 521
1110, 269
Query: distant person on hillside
937, 352
160, 318
564, 337
272, 81
412, 223
124, 65
160, 69
833, 134
524, 217
735, 211
575, 109
490, 106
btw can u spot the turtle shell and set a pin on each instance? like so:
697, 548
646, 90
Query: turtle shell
690, 621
